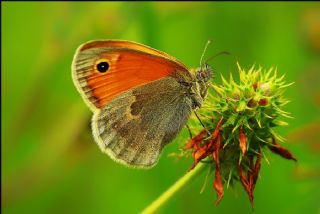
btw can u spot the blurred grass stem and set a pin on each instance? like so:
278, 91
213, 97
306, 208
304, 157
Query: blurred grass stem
174, 189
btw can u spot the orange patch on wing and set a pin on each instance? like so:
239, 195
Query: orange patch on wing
130, 69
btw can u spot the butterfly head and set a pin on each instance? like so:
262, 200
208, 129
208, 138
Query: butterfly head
204, 73
203, 76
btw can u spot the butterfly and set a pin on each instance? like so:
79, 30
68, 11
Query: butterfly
140, 97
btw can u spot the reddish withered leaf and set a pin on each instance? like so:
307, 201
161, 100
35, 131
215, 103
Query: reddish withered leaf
198, 155
250, 171
217, 184
215, 152
246, 183
217, 130
243, 142
243, 179
256, 170
278, 149
196, 139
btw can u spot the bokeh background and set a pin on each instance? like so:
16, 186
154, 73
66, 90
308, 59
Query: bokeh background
50, 163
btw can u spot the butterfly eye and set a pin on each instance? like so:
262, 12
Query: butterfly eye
102, 66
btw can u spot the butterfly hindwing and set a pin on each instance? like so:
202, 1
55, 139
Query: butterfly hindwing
134, 127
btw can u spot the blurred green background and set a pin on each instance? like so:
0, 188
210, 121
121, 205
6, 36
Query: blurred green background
50, 163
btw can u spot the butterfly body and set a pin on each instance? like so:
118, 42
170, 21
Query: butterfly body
141, 97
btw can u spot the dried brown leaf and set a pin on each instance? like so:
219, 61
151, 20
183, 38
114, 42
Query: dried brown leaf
217, 184
243, 142
283, 152
196, 139
217, 130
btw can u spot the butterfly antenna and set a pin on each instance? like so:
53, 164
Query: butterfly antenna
204, 51
202, 123
218, 54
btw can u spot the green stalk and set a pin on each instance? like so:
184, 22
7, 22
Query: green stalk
174, 189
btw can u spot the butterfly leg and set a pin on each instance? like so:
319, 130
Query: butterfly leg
189, 130
202, 123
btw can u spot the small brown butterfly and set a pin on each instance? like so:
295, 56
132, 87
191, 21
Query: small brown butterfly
140, 97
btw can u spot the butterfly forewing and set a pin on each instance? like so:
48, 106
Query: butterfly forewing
127, 68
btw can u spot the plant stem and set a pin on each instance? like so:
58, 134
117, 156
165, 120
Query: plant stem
169, 193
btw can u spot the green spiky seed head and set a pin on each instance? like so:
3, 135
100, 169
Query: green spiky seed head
241, 117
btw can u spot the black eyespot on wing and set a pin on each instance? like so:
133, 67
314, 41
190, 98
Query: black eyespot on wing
102, 67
